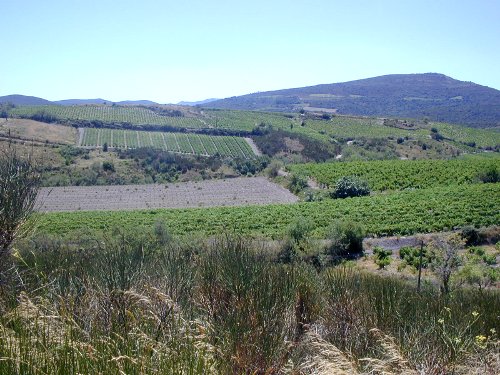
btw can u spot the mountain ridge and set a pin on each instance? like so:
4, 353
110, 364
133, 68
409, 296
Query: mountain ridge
428, 95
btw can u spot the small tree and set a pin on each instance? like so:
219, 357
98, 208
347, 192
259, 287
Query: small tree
350, 186
19, 185
446, 259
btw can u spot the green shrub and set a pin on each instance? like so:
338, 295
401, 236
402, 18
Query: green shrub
411, 256
350, 186
382, 256
108, 166
489, 175
346, 240
297, 184
471, 236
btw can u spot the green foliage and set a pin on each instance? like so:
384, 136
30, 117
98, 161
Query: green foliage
300, 229
181, 143
471, 236
490, 174
19, 184
400, 174
350, 186
127, 303
346, 240
411, 256
382, 257
108, 166
399, 213
297, 184
248, 167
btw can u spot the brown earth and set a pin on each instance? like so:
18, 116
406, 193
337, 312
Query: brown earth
229, 192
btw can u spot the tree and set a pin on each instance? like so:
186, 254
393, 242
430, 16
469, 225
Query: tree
446, 259
19, 185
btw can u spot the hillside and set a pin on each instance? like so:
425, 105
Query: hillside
431, 95
24, 100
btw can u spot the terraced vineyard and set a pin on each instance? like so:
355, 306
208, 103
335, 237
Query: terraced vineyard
109, 115
401, 174
401, 213
184, 143
336, 127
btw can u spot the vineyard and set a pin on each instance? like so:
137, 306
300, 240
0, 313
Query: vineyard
326, 130
109, 115
184, 143
401, 213
401, 174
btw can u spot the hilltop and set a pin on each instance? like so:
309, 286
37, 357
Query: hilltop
431, 95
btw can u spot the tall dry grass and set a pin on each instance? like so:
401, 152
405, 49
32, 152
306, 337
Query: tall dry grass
136, 303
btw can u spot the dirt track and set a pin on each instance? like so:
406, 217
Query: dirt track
230, 192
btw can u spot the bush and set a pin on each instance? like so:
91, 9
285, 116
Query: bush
350, 186
346, 240
471, 236
382, 256
297, 184
411, 256
108, 166
489, 175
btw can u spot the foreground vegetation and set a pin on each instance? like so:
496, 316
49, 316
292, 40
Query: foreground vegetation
140, 303
424, 210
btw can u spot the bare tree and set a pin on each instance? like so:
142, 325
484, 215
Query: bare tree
19, 185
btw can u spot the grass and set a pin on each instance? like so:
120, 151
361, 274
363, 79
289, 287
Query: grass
38, 131
143, 303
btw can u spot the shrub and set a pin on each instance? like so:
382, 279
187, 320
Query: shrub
411, 256
382, 256
297, 184
346, 240
350, 186
108, 166
471, 236
300, 229
489, 175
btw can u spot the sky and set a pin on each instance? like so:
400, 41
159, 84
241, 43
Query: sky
168, 51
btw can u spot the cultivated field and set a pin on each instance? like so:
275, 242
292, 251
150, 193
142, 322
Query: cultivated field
231, 192
400, 213
402, 174
184, 143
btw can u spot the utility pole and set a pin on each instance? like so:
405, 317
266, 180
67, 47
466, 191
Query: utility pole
420, 265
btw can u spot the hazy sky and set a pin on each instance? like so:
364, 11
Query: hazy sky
169, 51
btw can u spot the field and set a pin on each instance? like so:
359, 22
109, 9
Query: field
230, 192
401, 174
424, 210
184, 143
335, 128
37, 131
108, 114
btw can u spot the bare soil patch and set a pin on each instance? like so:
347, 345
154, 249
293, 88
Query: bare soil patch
229, 192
